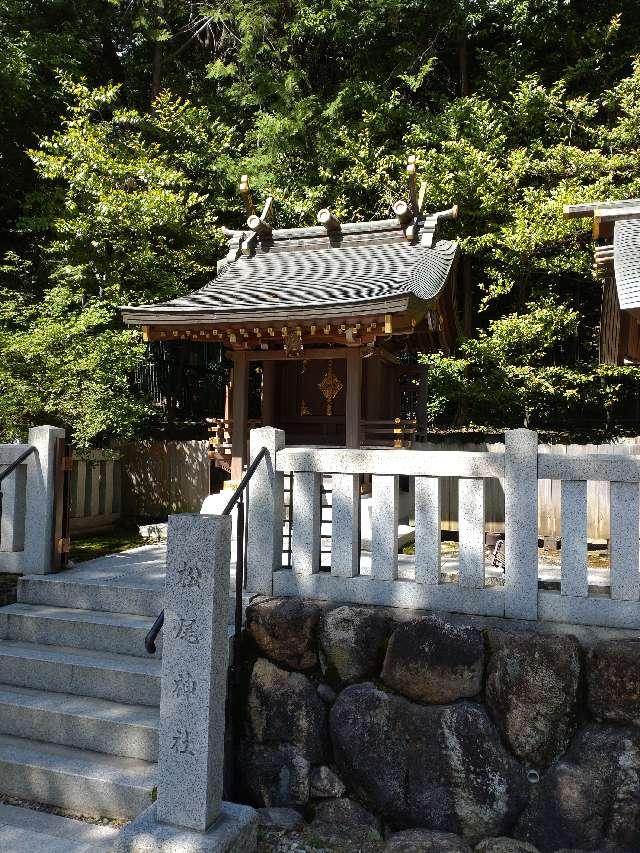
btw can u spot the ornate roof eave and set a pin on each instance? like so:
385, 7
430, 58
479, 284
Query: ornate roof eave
166, 316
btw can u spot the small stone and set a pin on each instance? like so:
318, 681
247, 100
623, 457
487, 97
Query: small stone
284, 629
532, 692
280, 818
352, 642
325, 783
345, 812
614, 681
426, 841
434, 661
284, 707
326, 693
504, 845
274, 774
344, 821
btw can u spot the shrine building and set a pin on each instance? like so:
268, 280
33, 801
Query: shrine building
331, 315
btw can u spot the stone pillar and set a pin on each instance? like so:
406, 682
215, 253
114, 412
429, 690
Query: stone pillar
40, 504
265, 512
521, 524
189, 814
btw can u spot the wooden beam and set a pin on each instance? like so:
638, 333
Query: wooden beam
245, 192
326, 218
353, 412
305, 355
609, 216
259, 224
240, 414
576, 211
403, 212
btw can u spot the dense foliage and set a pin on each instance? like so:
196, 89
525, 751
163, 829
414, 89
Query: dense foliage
124, 128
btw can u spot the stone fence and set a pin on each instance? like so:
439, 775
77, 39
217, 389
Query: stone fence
519, 469
28, 522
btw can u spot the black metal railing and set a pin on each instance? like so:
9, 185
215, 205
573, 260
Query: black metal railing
236, 498
10, 469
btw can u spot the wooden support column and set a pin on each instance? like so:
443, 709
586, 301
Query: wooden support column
240, 411
268, 392
354, 397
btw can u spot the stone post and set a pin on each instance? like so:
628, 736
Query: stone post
265, 512
189, 814
521, 524
40, 514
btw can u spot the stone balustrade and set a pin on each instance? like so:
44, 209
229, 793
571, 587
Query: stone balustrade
518, 469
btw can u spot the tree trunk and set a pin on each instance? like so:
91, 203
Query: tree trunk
463, 65
158, 53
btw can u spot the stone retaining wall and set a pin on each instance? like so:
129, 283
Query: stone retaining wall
439, 725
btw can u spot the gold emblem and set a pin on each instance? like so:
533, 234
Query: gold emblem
330, 386
293, 344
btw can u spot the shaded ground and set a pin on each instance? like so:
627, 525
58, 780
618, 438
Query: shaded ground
99, 545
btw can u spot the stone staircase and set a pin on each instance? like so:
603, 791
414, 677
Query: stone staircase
79, 695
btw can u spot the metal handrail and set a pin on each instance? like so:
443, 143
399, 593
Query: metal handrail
236, 498
11, 468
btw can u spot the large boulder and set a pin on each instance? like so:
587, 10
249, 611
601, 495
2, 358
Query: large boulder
425, 841
284, 707
441, 768
274, 774
352, 642
590, 798
532, 691
284, 629
434, 661
613, 676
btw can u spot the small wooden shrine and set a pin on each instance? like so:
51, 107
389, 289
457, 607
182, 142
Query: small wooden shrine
616, 228
329, 313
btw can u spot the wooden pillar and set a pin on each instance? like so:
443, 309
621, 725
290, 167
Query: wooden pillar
374, 381
268, 392
354, 397
421, 405
240, 410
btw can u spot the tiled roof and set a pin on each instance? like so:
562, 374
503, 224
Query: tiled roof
626, 259
310, 271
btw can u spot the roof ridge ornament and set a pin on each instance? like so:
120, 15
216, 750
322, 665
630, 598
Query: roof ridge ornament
327, 218
260, 224
245, 192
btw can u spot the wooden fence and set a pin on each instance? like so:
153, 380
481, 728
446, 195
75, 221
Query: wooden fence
159, 477
95, 491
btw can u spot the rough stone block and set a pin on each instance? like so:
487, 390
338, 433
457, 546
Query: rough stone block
434, 661
235, 831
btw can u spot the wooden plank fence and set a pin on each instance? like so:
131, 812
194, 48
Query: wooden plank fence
154, 478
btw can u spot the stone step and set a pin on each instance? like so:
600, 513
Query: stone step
81, 672
94, 594
120, 633
78, 780
129, 731
130, 598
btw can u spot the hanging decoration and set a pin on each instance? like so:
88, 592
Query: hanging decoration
293, 345
330, 386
